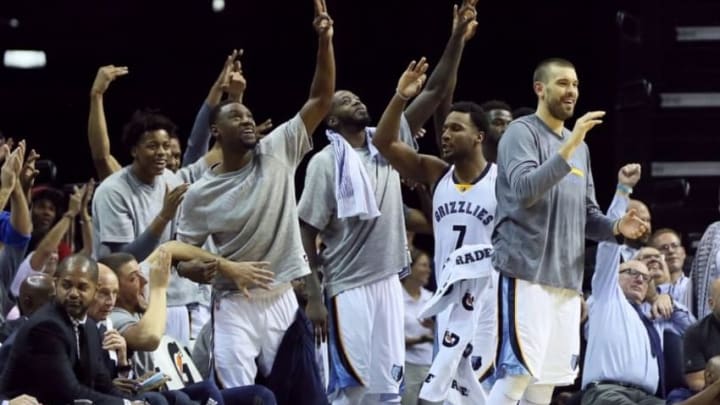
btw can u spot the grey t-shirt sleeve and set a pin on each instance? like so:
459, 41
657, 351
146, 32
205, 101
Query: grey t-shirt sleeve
111, 212
191, 225
406, 134
289, 142
598, 227
199, 139
528, 178
122, 319
317, 203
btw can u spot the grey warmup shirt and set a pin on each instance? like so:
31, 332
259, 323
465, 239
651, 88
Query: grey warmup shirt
545, 207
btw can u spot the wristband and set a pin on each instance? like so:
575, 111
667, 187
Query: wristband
400, 96
624, 189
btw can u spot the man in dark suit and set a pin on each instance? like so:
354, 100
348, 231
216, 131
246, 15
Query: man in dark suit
57, 356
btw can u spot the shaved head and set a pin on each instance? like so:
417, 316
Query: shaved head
79, 263
35, 291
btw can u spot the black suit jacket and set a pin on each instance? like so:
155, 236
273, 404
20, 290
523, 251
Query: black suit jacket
44, 362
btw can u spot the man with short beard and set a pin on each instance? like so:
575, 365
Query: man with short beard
546, 208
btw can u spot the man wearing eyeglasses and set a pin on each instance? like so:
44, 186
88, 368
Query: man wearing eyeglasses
624, 360
668, 242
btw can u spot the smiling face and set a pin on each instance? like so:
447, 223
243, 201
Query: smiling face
235, 128
634, 278
151, 152
559, 91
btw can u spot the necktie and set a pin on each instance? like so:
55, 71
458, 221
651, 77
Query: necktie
655, 347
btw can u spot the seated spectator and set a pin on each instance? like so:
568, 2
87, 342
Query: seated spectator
141, 322
669, 243
702, 341
624, 358
57, 356
710, 394
35, 291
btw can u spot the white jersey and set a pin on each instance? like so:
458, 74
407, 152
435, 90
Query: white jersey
463, 214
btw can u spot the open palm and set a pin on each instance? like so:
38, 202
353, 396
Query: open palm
413, 79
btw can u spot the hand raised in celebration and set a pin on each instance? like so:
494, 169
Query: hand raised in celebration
585, 124
413, 79
172, 201
631, 226
29, 172
630, 174
323, 23
105, 76
464, 19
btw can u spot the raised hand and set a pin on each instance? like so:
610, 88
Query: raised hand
464, 19
583, 125
248, 275
105, 76
5, 152
172, 201
412, 80
323, 23
76, 200
160, 262
29, 172
89, 190
236, 84
630, 174
12, 167
631, 226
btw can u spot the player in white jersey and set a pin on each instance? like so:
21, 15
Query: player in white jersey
464, 196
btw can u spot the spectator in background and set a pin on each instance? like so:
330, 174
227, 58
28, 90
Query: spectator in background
702, 341
15, 226
418, 332
669, 243
710, 394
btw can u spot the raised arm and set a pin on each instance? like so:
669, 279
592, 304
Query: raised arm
145, 335
105, 163
19, 209
198, 142
409, 163
323, 86
441, 83
50, 242
10, 172
86, 220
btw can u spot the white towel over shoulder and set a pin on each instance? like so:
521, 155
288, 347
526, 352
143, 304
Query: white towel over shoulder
354, 191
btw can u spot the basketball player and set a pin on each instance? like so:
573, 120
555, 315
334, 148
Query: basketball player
353, 199
546, 208
246, 204
463, 193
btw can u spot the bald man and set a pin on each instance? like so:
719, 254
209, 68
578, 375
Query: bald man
35, 291
710, 395
100, 309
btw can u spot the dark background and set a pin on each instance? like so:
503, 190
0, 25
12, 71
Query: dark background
175, 50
